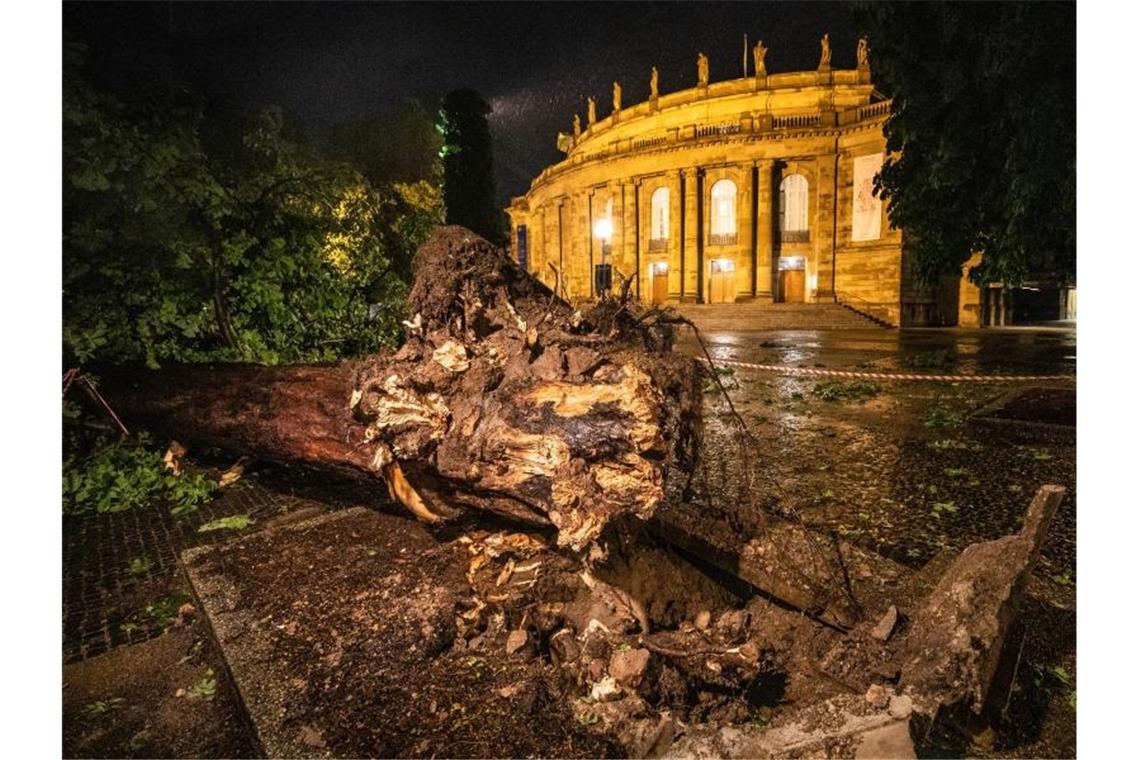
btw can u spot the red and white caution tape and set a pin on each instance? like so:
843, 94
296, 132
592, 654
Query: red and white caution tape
784, 369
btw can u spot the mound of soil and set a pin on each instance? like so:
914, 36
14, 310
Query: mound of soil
341, 636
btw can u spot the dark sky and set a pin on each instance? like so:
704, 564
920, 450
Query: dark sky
535, 63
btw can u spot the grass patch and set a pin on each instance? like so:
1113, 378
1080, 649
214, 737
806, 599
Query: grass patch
727, 377
938, 508
852, 390
205, 688
102, 707
139, 566
937, 359
939, 416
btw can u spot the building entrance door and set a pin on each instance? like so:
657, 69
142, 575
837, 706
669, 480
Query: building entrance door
791, 280
792, 285
722, 281
659, 274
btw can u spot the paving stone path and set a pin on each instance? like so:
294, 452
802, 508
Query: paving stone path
105, 600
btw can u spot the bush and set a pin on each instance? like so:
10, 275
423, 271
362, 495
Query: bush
126, 475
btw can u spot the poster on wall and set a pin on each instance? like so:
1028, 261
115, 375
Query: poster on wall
867, 215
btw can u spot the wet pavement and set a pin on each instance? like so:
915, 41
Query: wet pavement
912, 469
997, 351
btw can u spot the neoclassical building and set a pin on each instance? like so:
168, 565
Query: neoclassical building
756, 189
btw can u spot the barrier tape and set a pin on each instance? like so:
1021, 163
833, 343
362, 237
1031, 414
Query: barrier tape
784, 369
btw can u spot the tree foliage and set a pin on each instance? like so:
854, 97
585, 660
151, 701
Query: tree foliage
182, 248
468, 166
982, 133
402, 145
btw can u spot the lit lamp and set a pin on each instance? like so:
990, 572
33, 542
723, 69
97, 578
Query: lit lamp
604, 229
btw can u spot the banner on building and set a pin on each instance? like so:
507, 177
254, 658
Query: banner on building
867, 215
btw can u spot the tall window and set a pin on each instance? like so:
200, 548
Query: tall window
659, 219
723, 228
794, 209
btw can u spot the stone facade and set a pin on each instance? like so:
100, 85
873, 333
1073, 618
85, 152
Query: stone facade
587, 222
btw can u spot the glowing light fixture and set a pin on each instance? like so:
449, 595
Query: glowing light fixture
604, 228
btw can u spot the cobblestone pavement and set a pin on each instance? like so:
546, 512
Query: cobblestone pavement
107, 602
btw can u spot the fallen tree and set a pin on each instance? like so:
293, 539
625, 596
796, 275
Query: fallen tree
504, 399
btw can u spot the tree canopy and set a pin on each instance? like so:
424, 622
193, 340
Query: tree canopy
402, 145
982, 133
183, 245
468, 167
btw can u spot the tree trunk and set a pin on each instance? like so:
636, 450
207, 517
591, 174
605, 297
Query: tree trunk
504, 399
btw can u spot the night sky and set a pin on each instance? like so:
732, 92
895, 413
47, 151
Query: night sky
535, 63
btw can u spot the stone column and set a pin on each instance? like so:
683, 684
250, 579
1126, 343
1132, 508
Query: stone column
578, 233
676, 209
537, 254
629, 266
765, 223
690, 287
559, 253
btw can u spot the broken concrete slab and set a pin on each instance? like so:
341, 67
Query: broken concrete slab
954, 644
844, 726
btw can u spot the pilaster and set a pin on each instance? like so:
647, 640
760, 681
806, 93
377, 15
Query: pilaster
765, 223
630, 265
744, 204
825, 240
676, 241
690, 287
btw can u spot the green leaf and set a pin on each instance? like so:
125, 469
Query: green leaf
233, 522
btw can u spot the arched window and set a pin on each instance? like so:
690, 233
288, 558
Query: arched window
723, 227
659, 219
794, 209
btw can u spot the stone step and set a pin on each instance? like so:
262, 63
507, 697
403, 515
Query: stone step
776, 316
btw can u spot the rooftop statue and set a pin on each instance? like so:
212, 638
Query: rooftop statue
702, 70
825, 52
577, 126
758, 54
591, 111
861, 54
653, 84
617, 97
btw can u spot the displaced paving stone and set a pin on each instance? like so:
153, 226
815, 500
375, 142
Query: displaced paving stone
891, 741
901, 707
517, 639
733, 624
628, 667
886, 625
877, 696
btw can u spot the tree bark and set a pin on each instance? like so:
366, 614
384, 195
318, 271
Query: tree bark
504, 399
